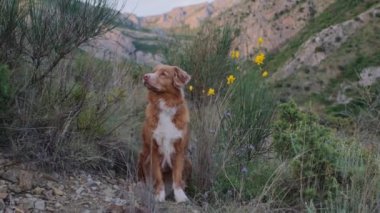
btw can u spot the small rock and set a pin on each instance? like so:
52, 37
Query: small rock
15, 201
108, 199
17, 210
3, 186
79, 190
10, 175
57, 205
37, 191
2, 205
48, 194
50, 209
14, 188
92, 184
86, 211
94, 188
89, 179
40, 205
57, 191
119, 202
25, 180
3, 195
28, 203
11, 200
109, 192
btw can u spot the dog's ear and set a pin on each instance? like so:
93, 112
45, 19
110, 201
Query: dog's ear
181, 78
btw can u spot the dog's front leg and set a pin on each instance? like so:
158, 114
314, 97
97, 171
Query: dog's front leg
178, 166
159, 186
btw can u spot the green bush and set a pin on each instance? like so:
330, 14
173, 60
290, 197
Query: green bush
245, 181
312, 148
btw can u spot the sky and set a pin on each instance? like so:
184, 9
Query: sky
155, 7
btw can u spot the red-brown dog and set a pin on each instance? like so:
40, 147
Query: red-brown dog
165, 132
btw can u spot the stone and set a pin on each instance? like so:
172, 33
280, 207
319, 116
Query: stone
2, 205
57, 205
119, 202
25, 180
92, 184
40, 205
28, 203
50, 209
17, 210
3, 186
108, 192
3, 195
48, 194
57, 191
79, 190
10, 175
38, 190
14, 188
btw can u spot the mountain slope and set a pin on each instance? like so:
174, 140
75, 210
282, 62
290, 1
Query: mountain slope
332, 57
129, 41
187, 17
276, 21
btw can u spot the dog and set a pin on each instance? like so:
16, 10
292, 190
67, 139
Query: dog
165, 134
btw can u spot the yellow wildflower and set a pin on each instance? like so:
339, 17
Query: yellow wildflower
265, 74
260, 40
235, 54
230, 79
259, 59
211, 92
191, 88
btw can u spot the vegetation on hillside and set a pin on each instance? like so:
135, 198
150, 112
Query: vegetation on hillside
62, 109
339, 11
58, 104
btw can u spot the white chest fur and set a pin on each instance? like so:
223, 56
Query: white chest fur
166, 132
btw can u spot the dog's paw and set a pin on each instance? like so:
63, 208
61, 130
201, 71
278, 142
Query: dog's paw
180, 196
160, 196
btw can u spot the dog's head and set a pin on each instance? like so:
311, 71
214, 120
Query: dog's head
166, 79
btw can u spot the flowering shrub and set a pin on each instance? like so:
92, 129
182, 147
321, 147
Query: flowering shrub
206, 59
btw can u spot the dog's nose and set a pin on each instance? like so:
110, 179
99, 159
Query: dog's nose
146, 77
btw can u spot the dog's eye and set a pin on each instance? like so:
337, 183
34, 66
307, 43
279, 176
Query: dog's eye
163, 74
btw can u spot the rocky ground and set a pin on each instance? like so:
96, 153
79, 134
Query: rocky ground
26, 189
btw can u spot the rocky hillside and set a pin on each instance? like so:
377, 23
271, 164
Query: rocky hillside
188, 17
332, 66
124, 43
276, 21
338, 50
129, 41
140, 38
310, 42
